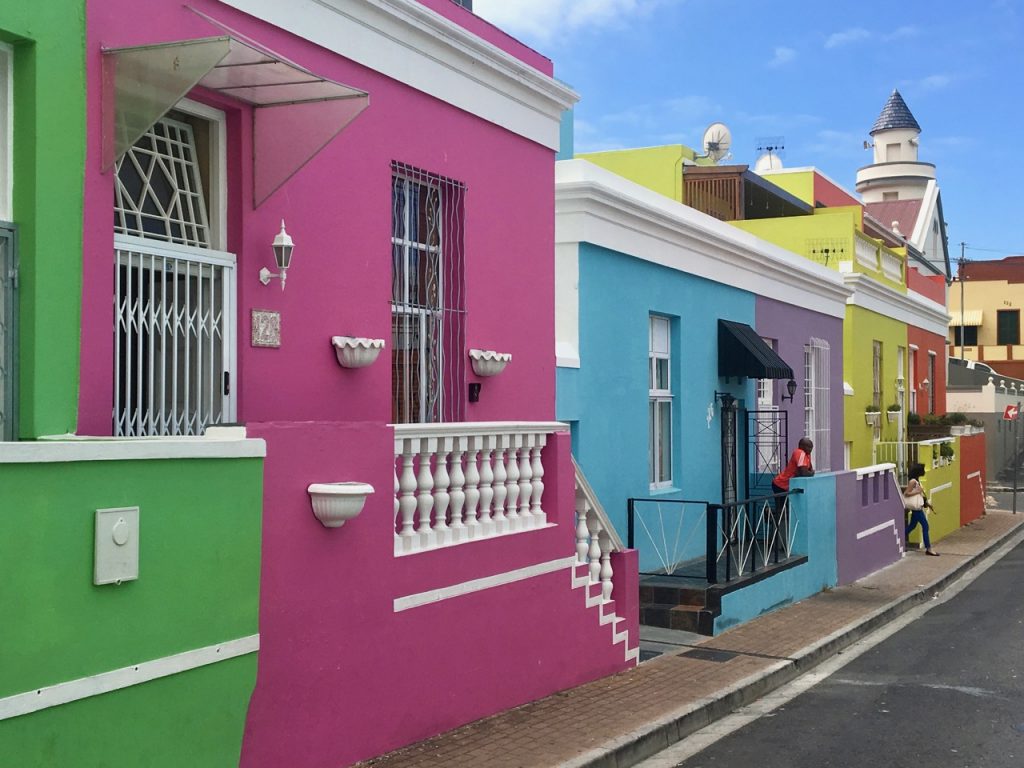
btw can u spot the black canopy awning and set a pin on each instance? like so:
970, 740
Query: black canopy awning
741, 352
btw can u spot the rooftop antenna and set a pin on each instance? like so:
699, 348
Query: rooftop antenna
770, 149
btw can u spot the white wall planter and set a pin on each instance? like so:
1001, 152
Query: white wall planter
893, 415
487, 362
334, 504
872, 418
356, 352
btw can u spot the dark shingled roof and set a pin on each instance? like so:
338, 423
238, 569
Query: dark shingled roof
895, 114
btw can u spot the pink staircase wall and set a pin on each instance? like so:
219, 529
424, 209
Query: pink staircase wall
342, 677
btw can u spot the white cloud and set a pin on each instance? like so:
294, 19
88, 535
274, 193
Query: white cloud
901, 33
934, 82
542, 19
783, 55
847, 36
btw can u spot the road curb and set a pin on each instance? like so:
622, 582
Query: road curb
632, 748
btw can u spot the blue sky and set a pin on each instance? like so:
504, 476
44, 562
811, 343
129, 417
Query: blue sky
816, 73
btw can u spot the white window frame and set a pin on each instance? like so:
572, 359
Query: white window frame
817, 401
877, 351
657, 397
6, 132
912, 365
901, 381
218, 201
932, 368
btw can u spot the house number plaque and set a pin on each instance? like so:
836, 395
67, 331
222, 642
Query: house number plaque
266, 328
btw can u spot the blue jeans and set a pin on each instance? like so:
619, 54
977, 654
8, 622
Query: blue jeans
918, 516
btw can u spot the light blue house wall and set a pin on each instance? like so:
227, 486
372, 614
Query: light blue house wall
606, 398
815, 536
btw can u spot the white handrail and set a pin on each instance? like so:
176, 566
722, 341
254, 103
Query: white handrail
588, 493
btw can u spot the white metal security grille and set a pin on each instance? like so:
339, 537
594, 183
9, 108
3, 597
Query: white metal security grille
159, 193
817, 422
174, 340
427, 302
8, 317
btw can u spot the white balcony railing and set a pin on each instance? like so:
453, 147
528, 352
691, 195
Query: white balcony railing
596, 537
466, 481
866, 252
892, 265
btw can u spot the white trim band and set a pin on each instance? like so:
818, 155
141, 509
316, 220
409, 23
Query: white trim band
974, 475
478, 585
943, 487
125, 677
137, 449
888, 525
874, 469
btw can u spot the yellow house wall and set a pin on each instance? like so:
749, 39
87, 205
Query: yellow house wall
942, 486
861, 328
796, 233
799, 184
988, 296
658, 168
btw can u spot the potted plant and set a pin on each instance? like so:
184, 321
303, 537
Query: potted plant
872, 415
946, 452
913, 419
892, 412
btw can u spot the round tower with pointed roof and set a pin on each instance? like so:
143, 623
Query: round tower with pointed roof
896, 173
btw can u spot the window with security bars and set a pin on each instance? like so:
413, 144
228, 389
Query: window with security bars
817, 421
8, 331
659, 361
174, 295
427, 296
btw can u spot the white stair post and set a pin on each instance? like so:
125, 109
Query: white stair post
512, 482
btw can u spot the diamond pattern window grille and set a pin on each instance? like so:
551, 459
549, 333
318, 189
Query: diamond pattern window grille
174, 296
159, 193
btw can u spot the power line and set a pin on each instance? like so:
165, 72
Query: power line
995, 250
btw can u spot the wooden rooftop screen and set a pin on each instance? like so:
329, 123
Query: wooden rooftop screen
715, 191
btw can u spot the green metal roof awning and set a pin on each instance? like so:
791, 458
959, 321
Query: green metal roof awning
295, 113
741, 352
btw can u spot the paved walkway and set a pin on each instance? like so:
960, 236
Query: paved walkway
618, 721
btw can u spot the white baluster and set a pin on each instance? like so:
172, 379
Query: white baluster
441, 496
594, 554
512, 483
486, 485
525, 484
397, 489
458, 496
539, 516
606, 567
582, 532
472, 486
407, 502
425, 499
500, 490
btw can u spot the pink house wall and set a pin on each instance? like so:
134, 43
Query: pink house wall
338, 210
342, 676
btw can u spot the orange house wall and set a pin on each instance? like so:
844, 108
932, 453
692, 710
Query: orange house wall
929, 342
972, 478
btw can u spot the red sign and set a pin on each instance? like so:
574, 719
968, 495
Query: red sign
1010, 414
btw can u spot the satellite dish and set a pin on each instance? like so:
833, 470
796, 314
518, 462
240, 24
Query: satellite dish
767, 162
717, 140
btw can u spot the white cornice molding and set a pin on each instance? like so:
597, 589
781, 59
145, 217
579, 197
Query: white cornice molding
418, 47
596, 206
910, 308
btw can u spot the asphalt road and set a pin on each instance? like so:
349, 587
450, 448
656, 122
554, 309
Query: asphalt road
946, 691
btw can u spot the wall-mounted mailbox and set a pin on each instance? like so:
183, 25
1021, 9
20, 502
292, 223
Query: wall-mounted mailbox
117, 545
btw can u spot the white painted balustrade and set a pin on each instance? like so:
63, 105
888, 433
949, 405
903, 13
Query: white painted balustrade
596, 537
466, 481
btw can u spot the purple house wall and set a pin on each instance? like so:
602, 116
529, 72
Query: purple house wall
791, 327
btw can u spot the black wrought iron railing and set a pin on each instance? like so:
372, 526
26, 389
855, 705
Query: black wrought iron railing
739, 538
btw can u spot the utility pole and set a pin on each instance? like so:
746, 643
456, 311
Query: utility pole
963, 246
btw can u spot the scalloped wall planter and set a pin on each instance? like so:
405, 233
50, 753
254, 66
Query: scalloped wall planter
893, 415
334, 504
487, 362
872, 418
356, 352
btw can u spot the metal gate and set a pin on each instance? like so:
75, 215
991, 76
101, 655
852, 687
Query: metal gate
8, 330
766, 438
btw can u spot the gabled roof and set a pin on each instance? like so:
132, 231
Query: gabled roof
903, 212
895, 114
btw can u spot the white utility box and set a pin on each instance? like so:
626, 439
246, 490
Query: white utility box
117, 545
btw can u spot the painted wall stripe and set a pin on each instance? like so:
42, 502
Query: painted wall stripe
134, 449
943, 487
888, 525
105, 682
478, 585
974, 475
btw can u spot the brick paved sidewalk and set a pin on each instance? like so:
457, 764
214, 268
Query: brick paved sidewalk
619, 720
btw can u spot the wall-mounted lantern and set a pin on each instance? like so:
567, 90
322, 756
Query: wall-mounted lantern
283, 247
791, 389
